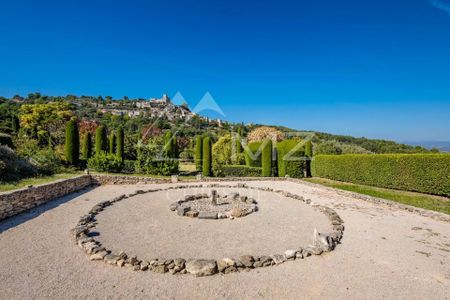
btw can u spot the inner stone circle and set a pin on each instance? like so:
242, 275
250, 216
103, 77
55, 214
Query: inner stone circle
215, 206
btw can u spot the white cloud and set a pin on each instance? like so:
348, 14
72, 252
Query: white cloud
441, 5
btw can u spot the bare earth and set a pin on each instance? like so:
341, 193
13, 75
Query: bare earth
385, 253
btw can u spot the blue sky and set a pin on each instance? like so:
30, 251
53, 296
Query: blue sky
373, 68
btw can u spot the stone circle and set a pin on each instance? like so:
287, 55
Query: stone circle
321, 242
215, 206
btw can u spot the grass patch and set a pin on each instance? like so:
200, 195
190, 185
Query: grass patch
436, 203
8, 186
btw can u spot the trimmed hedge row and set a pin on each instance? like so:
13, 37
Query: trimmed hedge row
266, 159
291, 161
253, 159
426, 173
241, 171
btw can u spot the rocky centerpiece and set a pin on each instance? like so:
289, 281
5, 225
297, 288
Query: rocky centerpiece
215, 206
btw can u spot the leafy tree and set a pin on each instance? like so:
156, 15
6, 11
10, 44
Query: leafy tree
101, 143
86, 149
221, 154
72, 146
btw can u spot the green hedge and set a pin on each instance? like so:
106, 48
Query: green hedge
290, 162
250, 159
72, 143
241, 171
426, 173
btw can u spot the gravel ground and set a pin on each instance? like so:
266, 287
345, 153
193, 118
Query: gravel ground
385, 253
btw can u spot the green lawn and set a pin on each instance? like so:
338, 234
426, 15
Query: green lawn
436, 203
34, 181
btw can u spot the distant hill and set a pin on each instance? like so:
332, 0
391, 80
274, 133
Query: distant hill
443, 146
138, 115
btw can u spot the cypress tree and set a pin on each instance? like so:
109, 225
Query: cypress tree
308, 154
266, 159
15, 123
308, 149
112, 143
101, 141
72, 146
168, 144
120, 143
198, 152
86, 148
206, 155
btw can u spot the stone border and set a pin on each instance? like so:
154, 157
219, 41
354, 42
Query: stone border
203, 267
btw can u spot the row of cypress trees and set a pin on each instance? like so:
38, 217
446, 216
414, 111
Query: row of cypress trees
72, 145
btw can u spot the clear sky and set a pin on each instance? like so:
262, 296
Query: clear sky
374, 68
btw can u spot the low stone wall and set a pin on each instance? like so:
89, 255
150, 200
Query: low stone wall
17, 201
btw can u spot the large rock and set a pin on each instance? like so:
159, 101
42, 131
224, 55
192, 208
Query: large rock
207, 215
201, 267
247, 260
224, 263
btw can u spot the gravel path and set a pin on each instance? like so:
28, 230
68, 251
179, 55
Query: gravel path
385, 253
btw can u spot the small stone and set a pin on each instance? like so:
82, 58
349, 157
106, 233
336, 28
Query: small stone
181, 211
144, 265
224, 263
120, 262
278, 259
237, 212
191, 214
243, 198
201, 267
289, 254
111, 259
173, 206
160, 269
179, 262
247, 260
98, 255
207, 215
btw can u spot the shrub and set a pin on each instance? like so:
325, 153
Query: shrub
86, 148
6, 139
426, 173
206, 154
72, 146
252, 154
120, 143
101, 143
241, 171
262, 133
129, 166
105, 162
150, 161
266, 159
198, 152
46, 161
13, 167
291, 159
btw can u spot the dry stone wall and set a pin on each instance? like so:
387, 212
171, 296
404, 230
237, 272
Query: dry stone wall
17, 201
